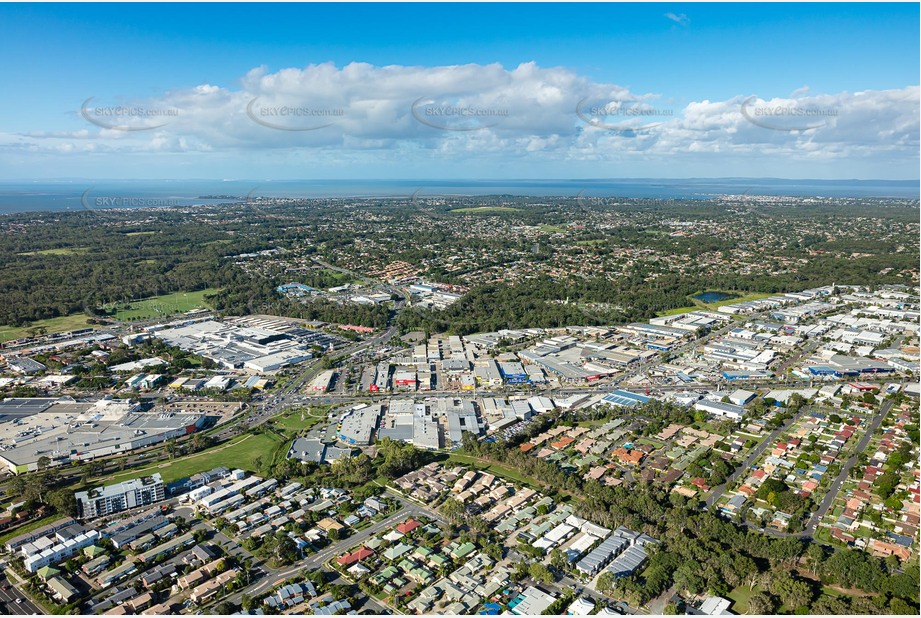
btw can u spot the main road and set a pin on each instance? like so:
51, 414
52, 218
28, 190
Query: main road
13, 601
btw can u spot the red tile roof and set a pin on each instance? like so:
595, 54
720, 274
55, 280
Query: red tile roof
356, 556
562, 443
408, 526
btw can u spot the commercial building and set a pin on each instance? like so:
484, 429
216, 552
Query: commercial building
513, 373
382, 377
322, 382
64, 430
358, 424
314, 450
109, 499
252, 343
405, 378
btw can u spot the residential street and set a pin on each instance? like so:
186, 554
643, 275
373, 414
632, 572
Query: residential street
829, 499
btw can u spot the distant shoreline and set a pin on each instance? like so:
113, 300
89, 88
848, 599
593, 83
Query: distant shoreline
75, 195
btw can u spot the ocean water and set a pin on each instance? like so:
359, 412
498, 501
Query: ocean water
46, 195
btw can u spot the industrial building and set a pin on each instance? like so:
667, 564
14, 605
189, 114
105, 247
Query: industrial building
625, 399
24, 366
718, 408
109, 499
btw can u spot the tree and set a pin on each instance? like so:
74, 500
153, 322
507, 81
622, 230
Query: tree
815, 556
558, 559
792, 591
539, 571
899, 607
285, 550
761, 603
829, 605
494, 551
453, 509
852, 568
63, 501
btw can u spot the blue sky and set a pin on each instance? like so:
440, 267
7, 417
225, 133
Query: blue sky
563, 91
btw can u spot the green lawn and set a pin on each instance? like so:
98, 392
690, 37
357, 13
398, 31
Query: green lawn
592, 424
29, 527
291, 420
239, 453
339, 276
676, 311
62, 251
179, 302
739, 597
485, 210
553, 229
51, 325
140, 233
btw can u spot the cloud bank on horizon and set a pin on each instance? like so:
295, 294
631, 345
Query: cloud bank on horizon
478, 117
